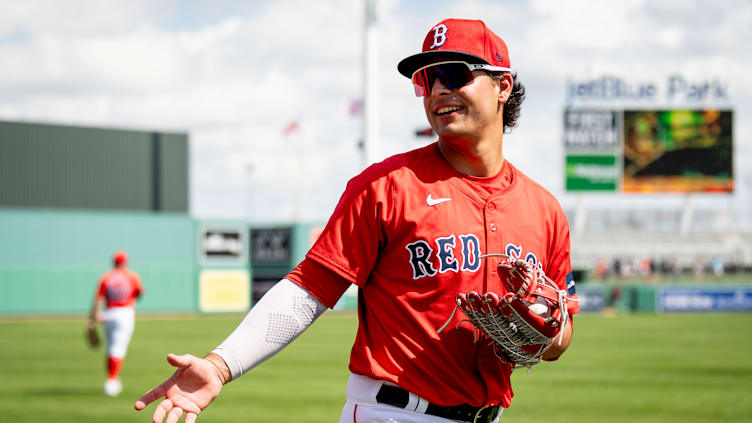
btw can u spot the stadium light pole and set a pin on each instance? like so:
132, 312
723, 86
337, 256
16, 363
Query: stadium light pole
370, 76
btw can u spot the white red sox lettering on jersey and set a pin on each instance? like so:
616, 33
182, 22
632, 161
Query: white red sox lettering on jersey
446, 251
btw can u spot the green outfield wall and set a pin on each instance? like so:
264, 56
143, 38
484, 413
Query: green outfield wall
51, 260
44, 165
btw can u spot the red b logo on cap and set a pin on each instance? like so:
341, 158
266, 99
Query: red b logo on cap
439, 36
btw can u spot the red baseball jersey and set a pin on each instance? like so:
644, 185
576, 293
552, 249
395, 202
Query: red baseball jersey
409, 232
120, 287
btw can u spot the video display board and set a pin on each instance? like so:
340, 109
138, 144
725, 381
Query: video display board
677, 151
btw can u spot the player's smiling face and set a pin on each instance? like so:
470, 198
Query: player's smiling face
468, 111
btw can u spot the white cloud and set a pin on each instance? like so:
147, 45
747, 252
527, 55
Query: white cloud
78, 17
234, 74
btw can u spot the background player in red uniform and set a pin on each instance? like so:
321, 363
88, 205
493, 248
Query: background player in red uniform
118, 289
410, 232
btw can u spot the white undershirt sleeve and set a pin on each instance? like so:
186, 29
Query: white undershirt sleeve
283, 313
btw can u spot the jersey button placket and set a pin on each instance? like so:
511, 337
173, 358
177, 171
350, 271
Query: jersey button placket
490, 215
493, 239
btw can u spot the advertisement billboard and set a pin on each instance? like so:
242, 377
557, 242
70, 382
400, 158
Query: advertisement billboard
271, 246
591, 173
224, 290
592, 145
223, 245
591, 131
733, 299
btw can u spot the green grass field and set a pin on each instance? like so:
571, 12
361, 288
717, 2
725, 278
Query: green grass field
628, 368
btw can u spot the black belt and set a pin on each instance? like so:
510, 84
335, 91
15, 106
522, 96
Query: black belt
399, 397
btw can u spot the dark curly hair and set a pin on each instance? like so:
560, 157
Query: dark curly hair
514, 103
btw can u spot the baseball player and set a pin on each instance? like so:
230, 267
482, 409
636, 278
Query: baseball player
118, 289
411, 232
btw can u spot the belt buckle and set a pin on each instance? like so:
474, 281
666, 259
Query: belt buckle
493, 411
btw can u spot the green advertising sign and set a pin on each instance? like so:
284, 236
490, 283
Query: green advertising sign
591, 173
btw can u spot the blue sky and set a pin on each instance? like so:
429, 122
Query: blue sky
235, 74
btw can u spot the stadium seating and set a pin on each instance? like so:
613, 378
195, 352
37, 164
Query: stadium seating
590, 247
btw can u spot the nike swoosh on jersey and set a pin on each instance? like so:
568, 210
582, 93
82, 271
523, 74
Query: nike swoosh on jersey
434, 201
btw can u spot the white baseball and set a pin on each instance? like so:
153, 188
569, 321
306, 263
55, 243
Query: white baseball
538, 308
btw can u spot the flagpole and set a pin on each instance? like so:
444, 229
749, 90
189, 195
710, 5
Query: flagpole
370, 90
300, 176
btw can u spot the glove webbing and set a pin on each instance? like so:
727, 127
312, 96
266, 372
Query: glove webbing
546, 283
509, 335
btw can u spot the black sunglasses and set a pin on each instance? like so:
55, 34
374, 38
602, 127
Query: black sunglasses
453, 75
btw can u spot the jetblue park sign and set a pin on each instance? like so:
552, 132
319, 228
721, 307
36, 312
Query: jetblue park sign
676, 88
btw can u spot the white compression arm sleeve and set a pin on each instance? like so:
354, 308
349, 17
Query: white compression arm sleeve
283, 313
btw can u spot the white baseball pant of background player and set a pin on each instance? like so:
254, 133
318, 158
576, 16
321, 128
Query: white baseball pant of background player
118, 326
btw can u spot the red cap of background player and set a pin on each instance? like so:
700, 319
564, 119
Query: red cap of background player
459, 39
120, 257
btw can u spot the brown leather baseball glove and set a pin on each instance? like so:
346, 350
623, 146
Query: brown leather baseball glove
92, 337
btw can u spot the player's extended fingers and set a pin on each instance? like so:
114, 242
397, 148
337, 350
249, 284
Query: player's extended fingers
161, 410
190, 417
174, 415
151, 395
179, 360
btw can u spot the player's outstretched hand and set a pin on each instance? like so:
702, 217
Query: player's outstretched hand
192, 387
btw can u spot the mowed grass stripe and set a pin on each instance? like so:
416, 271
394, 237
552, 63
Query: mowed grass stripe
647, 368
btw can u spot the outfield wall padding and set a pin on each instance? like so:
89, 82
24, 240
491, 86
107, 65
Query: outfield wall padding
51, 260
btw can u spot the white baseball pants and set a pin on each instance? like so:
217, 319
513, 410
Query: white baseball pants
361, 405
118, 326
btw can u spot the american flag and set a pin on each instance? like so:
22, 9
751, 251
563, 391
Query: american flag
356, 107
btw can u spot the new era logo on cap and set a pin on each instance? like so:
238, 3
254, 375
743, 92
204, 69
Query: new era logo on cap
458, 39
